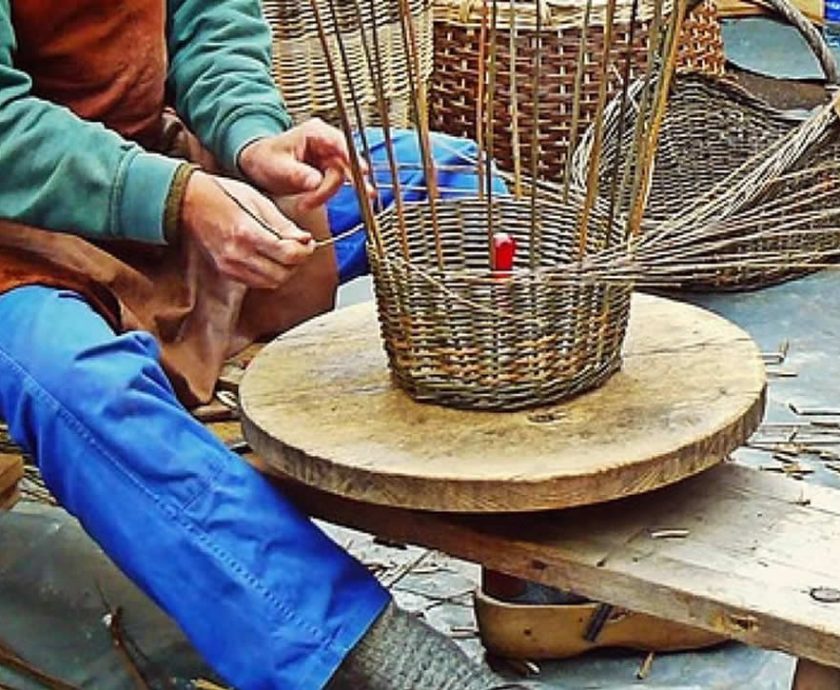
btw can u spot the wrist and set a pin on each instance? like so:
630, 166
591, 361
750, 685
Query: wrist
172, 215
248, 161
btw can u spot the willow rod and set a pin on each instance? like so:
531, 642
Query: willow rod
418, 103
625, 87
598, 136
645, 103
574, 131
355, 167
514, 104
648, 155
491, 96
479, 98
535, 140
357, 109
375, 67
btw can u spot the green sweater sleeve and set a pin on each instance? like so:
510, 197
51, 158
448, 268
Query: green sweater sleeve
220, 74
65, 174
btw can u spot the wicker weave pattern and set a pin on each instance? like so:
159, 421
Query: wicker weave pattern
300, 67
712, 128
454, 86
485, 342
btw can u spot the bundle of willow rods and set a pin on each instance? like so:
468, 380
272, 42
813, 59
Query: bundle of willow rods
744, 194
459, 327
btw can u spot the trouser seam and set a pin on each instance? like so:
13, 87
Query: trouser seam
77, 427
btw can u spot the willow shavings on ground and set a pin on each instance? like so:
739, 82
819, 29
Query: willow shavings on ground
13, 661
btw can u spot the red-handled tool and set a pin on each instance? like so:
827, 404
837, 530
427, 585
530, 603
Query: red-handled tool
504, 252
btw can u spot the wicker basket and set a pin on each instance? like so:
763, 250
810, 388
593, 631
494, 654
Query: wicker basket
300, 67
461, 337
454, 85
714, 134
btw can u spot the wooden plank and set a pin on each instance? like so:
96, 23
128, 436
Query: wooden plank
11, 472
756, 547
811, 676
319, 405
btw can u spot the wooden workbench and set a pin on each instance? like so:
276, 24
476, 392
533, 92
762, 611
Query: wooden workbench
731, 550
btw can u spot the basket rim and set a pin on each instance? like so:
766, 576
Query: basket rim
555, 14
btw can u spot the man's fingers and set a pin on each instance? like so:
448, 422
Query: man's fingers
257, 272
332, 182
287, 176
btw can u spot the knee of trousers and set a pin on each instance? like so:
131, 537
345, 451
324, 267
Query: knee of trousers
72, 390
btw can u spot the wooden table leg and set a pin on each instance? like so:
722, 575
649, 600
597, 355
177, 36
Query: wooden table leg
813, 676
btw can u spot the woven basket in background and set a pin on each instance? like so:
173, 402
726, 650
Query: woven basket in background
714, 134
454, 85
458, 336
300, 67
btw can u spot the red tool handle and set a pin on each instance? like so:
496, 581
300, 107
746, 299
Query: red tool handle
504, 252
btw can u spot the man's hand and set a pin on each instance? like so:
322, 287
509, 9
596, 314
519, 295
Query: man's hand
310, 160
239, 247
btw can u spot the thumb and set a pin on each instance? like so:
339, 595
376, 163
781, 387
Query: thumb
291, 176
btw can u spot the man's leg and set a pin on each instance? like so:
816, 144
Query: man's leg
264, 595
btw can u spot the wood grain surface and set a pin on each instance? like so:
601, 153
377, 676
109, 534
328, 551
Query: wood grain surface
11, 472
318, 405
754, 552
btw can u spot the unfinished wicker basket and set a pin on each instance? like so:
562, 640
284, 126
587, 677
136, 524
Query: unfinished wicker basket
454, 86
458, 335
300, 66
714, 136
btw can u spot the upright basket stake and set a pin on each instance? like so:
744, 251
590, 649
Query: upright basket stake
491, 95
418, 104
598, 140
359, 182
533, 253
625, 87
655, 42
480, 96
574, 130
357, 110
375, 66
648, 154
514, 105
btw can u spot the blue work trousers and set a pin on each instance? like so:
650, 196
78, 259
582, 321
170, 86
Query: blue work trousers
265, 596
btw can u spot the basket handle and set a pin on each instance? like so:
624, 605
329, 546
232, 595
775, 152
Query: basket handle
812, 37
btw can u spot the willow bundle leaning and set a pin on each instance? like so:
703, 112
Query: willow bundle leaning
743, 195
459, 328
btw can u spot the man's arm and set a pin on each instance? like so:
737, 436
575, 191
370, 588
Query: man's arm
220, 74
63, 173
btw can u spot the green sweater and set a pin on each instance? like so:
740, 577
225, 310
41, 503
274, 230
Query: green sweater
63, 173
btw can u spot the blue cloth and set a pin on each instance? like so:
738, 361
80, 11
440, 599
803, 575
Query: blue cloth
267, 599
449, 152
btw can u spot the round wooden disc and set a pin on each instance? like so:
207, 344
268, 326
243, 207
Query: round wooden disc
319, 406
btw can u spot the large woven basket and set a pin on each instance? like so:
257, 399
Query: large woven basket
454, 86
457, 335
715, 134
300, 66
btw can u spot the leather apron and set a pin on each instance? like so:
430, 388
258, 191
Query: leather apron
107, 62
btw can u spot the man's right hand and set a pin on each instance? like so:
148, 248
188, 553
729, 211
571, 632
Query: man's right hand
238, 246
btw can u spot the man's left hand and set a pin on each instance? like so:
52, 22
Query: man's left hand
310, 160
